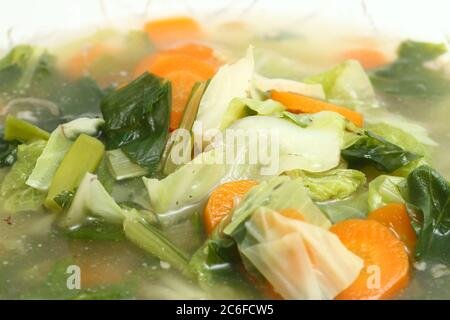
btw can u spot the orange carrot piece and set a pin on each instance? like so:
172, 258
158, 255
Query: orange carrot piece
164, 64
171, 30
395, 217
369, 58
297, 103
182, 83
197, 51
222, 201
79, 63
183, 66
386, 262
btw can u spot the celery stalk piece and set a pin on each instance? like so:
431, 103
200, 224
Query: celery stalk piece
92, 198
57, 146
149, 238
121, 167
48, 162
83, 156
17, 129
187, 122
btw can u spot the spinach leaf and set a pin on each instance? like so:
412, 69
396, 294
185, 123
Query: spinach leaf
408, 77
374, 150
137, 119
64, 199
24, 66
8, 152
429, 192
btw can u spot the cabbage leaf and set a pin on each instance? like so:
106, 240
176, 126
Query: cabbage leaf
300, 260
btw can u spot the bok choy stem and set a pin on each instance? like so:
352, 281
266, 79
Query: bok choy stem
17, 129
121, 167
146, 236
83, 156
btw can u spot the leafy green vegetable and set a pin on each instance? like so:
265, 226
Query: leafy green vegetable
231, 81
64, 199
334, 184
384, 190
28, 71
137, 119
146, 236
121, 167
8, 152
347, 85
400, 138
15, 195
243, 107
353, 207
192, 182
20, 130
429, 192
275, 245
275, 193
383, 155
407, 76
178, 139
83, 156
93, 229
24, 66
91, 198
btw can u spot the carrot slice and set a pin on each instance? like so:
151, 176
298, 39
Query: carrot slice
170, 30
182, 83
79, 63
197, 51
369, 58
395, 217
183, 66
386, 263
164, 64
297, 103
222, 201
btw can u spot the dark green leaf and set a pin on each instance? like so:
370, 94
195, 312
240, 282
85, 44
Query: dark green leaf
407, 76
429, 192
8, 152
93, 229
137, 119
374, 150
64, 199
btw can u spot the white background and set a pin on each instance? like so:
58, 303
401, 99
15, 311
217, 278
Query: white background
36, 20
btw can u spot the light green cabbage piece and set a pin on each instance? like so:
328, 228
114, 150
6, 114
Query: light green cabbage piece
300, 260
193, 182
60, 141
15, 195
277, 150
92, 198
335, 184
346, 84
353, 207
414, 129
400, 138
264, 84
244, 107
315, 148
272, 63
231, 81
277, 193
384, 190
